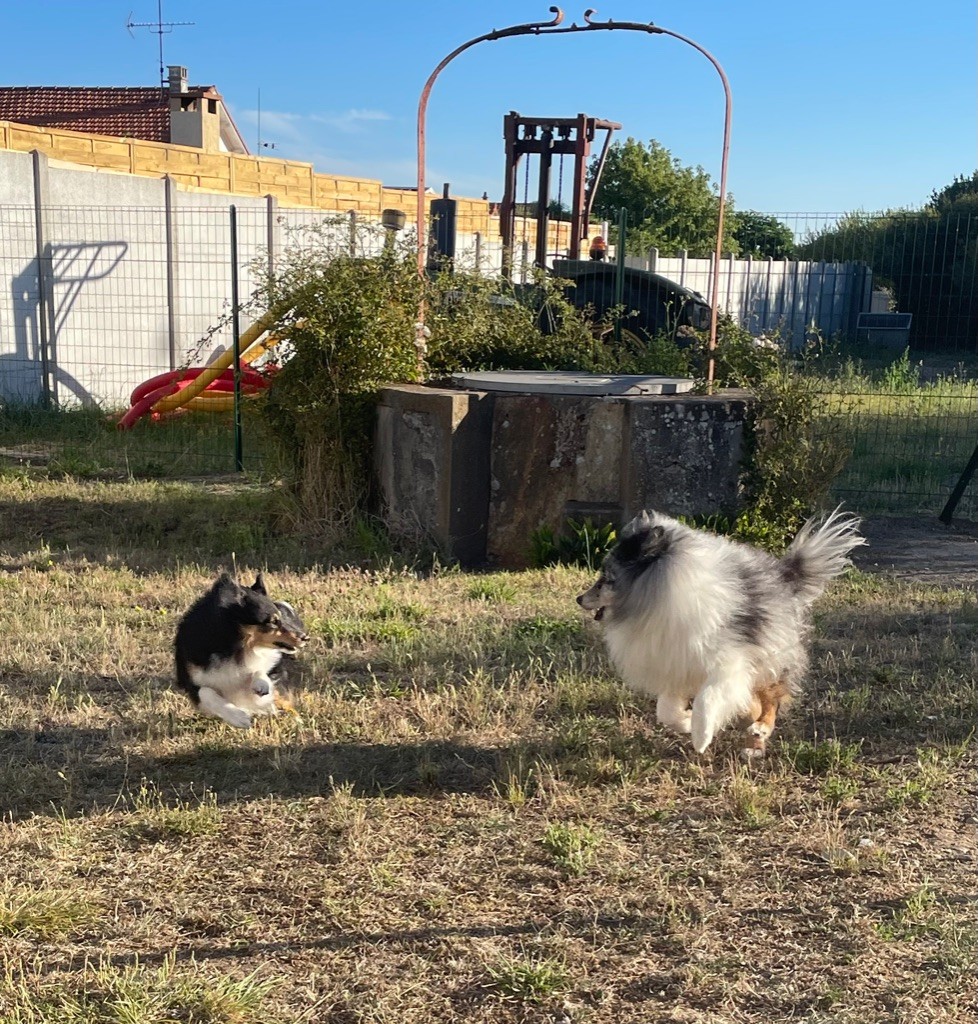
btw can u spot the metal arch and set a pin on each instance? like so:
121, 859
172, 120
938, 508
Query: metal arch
553, 28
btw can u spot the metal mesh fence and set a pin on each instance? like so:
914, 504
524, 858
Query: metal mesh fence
101, 299
906, 451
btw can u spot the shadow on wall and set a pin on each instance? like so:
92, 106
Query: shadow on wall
68, 267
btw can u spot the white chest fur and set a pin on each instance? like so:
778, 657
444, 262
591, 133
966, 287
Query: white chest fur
229, 676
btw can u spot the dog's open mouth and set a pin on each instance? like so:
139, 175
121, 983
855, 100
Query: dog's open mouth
599, 614
290, 645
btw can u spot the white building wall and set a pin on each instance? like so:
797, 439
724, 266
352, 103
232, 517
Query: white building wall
127, 292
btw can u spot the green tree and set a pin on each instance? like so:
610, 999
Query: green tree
670, 206
961, 194
762, 235
927, 256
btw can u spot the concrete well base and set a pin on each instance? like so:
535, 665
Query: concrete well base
479, 472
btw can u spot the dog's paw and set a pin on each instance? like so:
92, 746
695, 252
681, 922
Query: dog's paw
759, 729
261, 686
701, 735
682, 726
237, 717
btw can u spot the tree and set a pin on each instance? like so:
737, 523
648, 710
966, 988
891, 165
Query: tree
669, 206
961, 190
928, 257
761, 235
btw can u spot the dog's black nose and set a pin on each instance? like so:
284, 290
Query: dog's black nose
580, 599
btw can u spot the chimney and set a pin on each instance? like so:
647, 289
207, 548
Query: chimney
178, 79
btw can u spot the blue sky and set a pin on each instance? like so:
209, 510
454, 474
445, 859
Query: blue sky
838, 106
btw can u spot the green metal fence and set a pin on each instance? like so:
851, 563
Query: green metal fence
108, 296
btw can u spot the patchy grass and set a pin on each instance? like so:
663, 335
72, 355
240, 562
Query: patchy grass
468, 819
908, 445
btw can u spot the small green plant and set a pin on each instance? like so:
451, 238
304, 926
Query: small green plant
750, 801
154, 815
572, 847
916, 916
820, 757
517, 784
138, 995
915, 792
837, 789
901, 375
493, 590
49, 914
528, 978
584, 543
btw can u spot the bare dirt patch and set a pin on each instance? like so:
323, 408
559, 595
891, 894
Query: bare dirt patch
921, 549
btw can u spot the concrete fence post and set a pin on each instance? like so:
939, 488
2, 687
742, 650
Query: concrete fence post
45, 279
170, 202
271, 232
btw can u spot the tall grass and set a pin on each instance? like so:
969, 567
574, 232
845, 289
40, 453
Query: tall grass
910, 434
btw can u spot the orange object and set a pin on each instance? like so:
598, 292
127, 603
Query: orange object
599, 248
199, 387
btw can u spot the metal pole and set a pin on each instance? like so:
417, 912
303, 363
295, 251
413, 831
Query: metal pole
553, 28
620, 272
947, 514
169, 196
236, 340
45, 276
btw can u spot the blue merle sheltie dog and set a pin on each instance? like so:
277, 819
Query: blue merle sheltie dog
715, 630
230, 647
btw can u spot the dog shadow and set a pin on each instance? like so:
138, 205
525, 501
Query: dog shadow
49, 770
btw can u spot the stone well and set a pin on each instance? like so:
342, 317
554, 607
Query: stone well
479, 466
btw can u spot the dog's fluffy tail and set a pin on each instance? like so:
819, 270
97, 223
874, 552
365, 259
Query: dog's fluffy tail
820, 552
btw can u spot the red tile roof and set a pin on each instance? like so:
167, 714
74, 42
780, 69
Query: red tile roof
135, 113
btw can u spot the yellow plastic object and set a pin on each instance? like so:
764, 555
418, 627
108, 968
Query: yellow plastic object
221, 401
223, 361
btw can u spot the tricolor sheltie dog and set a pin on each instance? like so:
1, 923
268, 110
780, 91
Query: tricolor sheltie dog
715, 629
229, 649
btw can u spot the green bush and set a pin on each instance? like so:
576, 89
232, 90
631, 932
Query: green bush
583, 543
478, 323
793, 454
350, 323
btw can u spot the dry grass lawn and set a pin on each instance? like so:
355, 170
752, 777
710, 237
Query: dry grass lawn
467, 819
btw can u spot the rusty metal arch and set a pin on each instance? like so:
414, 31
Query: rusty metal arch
553, 28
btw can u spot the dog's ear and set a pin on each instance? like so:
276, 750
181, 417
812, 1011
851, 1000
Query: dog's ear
640, 541
225, 581
259, 585
637, 526
653, 542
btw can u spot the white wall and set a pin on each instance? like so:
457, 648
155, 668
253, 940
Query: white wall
128, 292
775, 296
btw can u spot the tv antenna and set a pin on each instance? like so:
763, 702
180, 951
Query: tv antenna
260, 144
161, 28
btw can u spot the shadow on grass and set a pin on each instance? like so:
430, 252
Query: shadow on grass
575, 923
151, 527
53, 770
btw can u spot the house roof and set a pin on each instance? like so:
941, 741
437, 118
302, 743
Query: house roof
137, 113
134, 112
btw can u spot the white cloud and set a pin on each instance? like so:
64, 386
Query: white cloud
351, 120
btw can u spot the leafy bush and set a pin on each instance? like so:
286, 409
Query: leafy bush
478, 323
585, 544
350, 323
793, 454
